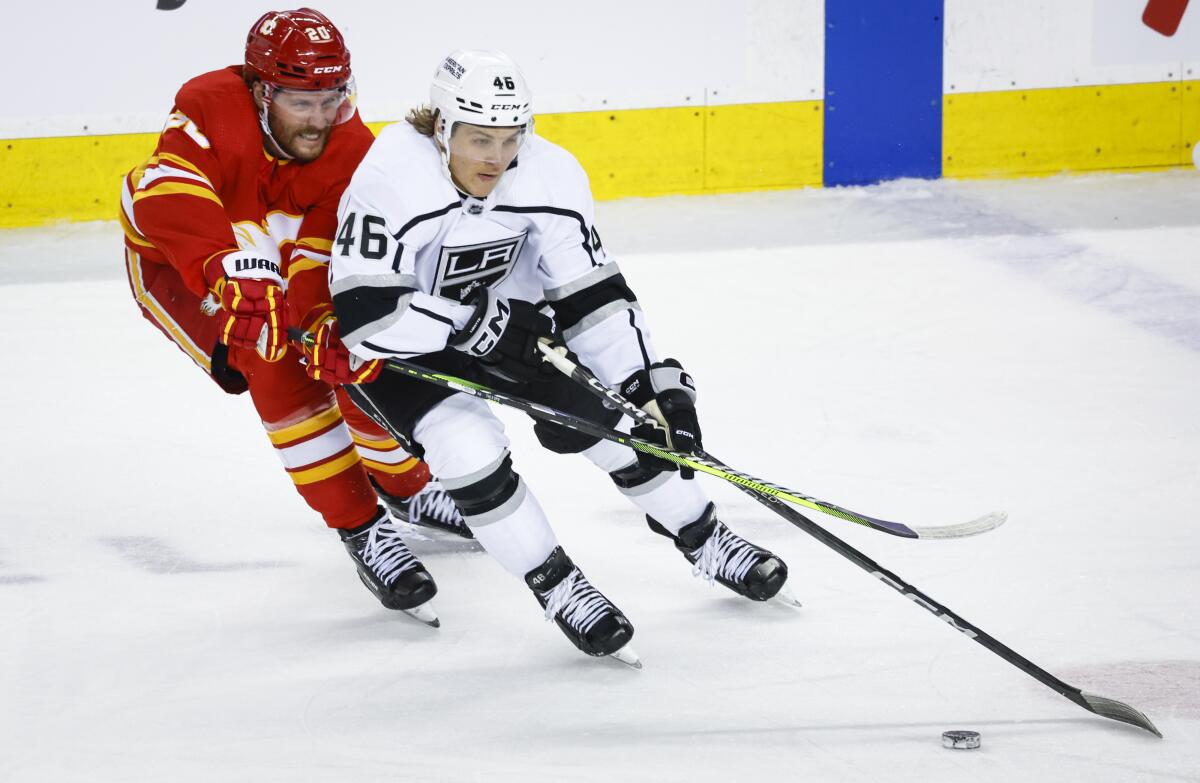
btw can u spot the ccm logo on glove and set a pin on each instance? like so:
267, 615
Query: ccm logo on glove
493, 330
503, 334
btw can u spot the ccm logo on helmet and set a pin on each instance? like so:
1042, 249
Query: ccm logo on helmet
505, 106
327, 69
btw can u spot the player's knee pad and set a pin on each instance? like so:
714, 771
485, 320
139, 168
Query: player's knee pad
488, 493
562, 440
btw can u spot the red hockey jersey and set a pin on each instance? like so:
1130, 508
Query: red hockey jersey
210, 189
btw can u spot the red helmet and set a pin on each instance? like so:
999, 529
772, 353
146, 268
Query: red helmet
300, 50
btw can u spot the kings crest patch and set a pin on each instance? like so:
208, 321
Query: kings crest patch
463, 269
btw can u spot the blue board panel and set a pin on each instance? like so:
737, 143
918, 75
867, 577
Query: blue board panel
883, 90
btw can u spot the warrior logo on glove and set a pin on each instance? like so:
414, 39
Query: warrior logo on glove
250, 290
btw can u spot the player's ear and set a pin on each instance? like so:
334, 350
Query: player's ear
258, 91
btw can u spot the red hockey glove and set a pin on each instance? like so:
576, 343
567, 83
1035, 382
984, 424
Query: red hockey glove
250, 291
327, 358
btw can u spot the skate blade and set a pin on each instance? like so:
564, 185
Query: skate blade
425, 614
628, 656
786, 596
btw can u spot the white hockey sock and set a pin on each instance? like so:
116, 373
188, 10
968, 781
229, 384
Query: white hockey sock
609, 456
517, 535
670, 500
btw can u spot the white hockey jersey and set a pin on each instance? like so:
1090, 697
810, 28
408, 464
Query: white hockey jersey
411, 248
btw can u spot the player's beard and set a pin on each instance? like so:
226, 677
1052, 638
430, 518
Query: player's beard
292, 140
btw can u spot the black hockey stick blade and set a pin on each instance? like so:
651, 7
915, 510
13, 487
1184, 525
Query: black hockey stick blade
1100, 705
1111, 708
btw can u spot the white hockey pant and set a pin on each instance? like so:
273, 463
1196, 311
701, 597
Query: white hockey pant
665, 496
466, 448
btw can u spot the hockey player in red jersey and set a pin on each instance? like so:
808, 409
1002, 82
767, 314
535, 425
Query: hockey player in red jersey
228, 228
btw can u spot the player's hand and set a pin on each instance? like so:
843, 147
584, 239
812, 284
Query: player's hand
503, 335
668, 394
327, 358
250, 291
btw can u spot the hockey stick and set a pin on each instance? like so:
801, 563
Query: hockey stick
1100, 705
755, 487
701, 463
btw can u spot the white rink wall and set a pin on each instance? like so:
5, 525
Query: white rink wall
1033, 44
115, 67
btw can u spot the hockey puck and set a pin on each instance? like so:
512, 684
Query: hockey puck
960, 739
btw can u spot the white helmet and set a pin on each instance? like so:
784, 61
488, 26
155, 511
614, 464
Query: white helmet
479, 88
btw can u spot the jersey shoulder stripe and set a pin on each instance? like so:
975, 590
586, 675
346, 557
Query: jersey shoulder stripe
570, 213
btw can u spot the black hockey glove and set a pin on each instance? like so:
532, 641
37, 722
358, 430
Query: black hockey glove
503, 335
668, 394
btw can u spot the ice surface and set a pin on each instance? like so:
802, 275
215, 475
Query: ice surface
922, 351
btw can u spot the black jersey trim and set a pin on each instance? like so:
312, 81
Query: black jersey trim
365, 305
427, 216
394, 352
431, 314
583, 227
572, 309
641, 340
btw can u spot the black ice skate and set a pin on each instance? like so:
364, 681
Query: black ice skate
718, 554
389, 570
590, 621
431, 507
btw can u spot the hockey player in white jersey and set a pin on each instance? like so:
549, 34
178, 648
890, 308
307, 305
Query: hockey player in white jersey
459, 228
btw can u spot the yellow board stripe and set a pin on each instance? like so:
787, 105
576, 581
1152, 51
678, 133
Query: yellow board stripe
305, 428
637, 152
713, 149
146, 300
321, 472
1016, 133
164, 188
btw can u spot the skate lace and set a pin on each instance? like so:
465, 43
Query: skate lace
581, 605
437, 505
725, 555
386, 554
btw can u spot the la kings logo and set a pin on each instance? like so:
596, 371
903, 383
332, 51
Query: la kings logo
463, 269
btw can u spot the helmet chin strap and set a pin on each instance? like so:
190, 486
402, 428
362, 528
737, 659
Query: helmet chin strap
265, 123
442, 139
